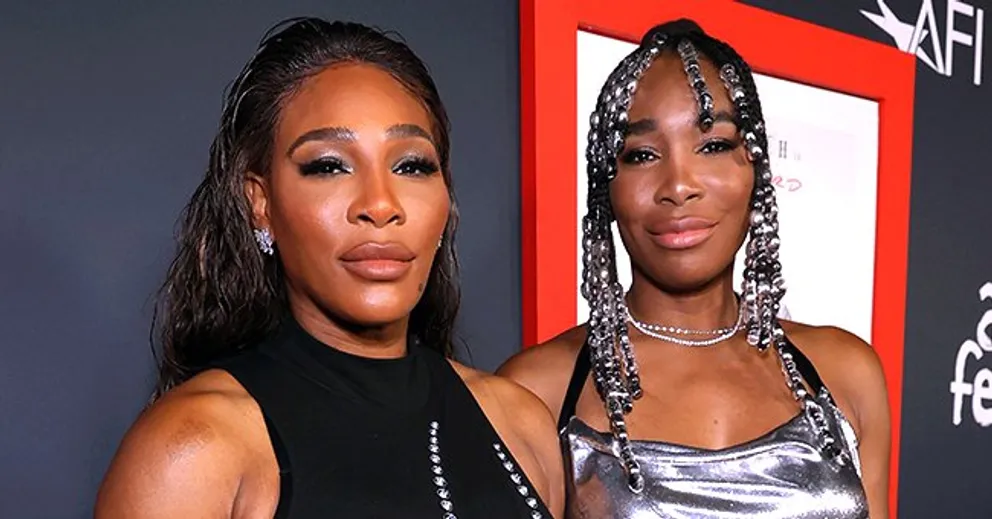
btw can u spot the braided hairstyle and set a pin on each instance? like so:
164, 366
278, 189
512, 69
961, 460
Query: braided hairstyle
615, 371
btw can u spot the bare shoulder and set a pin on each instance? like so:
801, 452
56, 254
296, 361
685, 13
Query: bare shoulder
516, 413
835, 349
848, 365
499, 395
546, 368
526, 427
853, 372
198, 441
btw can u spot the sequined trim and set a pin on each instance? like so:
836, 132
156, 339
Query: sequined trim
444, 494
518, 480
442, 484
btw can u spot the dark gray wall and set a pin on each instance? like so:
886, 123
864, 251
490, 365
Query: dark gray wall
950, 257
108, 109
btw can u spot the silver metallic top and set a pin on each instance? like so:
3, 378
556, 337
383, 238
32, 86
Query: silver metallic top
782, 474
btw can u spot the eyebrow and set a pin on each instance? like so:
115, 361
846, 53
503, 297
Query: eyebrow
642, 126
724, 116
339, 134
648, 125
406, 131
331, 134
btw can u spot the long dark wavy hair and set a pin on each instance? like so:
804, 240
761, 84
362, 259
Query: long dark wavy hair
221, 293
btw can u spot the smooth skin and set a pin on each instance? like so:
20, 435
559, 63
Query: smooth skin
729, 393
354, 161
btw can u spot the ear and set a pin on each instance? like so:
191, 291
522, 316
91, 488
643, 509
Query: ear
257, 192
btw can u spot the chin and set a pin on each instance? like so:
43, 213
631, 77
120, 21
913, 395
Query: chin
370, 306
375, 316
682, 286
683, 280
381, 306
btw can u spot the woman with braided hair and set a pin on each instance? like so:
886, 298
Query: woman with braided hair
698, 420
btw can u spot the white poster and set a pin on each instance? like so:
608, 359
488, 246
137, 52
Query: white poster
824, 157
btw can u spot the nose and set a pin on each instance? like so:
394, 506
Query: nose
680, 183
377, 203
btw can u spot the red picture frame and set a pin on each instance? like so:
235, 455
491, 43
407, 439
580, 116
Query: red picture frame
774, 45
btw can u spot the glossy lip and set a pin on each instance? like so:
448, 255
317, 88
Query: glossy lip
374, 261
681, 233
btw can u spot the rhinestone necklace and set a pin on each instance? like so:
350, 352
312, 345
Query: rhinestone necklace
661, 332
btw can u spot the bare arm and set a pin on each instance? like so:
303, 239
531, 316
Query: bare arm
536, 427
546, 369
853, 372
185, 457
871, 408
527, 430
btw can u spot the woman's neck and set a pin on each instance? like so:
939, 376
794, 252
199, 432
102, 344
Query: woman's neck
388, 341
709, 308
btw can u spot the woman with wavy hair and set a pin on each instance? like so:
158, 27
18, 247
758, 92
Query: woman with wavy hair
306, 322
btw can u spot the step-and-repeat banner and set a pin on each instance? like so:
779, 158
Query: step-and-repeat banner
852, 131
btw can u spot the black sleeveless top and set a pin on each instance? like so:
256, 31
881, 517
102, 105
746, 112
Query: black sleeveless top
359, 437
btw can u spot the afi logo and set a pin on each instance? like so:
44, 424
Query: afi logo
980, 390
910, 38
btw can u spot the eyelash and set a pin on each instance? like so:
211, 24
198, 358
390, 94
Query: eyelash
714, 146
416, 167
721, 145
324, 166
409, 166
639, 156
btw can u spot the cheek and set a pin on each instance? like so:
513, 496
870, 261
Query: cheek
733, 199
427, 209
310, 216
732, 189
629, 194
